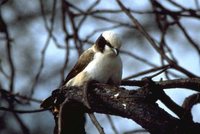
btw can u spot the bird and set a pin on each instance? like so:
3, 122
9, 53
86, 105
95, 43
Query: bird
100, 63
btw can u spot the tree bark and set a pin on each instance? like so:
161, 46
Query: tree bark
139, 105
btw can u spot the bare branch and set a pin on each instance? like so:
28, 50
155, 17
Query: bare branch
138, 105
190, 101
96, 123
189, 83
22, 111
152, 42
4, 29
112, 124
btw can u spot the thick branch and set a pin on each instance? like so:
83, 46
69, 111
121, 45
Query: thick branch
138, 105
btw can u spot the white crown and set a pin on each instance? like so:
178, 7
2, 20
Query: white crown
113, 38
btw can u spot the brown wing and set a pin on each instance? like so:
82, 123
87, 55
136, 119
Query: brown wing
82, 62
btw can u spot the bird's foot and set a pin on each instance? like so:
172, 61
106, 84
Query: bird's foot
85, 97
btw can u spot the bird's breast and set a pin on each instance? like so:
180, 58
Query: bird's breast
103, 66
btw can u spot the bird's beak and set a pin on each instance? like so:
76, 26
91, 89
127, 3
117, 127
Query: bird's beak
115, 50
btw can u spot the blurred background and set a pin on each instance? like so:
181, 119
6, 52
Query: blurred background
40, 42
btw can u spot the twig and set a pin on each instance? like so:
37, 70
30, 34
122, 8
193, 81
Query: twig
158, 73
113, 11
146, 72
9, 95
43, 52
23, 111
139, 58
189, 83
190, 101
85, 15
3, 72
96, 123
112, 124
100, 30
9, 53
152, 42
75, 34
100, 17
67, 37
141, 29
176, 4
194, 44
22, 124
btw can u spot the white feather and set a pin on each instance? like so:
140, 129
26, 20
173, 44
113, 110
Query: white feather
104, 67
113, 38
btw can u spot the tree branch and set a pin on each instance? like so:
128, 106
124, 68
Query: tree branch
137, 105
189, 83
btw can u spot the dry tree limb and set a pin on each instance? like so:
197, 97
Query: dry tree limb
96, 123
112, 124
189, 102
141, 29
137, 105
22, 111
189, 83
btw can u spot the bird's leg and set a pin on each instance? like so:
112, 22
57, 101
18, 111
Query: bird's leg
85, 92
85, 95
86, 103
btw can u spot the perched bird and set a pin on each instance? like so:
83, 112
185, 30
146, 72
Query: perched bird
100, 63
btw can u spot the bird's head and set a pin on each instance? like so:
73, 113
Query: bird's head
108, 42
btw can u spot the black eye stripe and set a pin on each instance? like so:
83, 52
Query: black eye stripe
108, 44
101, 42
105, 42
